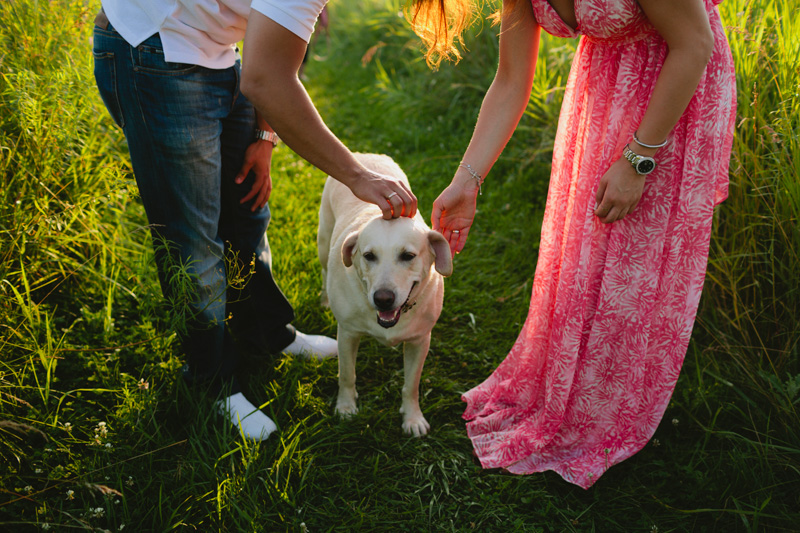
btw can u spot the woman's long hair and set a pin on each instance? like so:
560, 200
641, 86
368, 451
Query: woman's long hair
440, 23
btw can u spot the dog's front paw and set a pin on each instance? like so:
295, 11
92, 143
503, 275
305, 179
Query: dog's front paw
416, 425
346, 409
346, 404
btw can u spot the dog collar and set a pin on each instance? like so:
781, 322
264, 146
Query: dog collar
407, 306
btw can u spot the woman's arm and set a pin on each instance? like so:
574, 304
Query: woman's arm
685, 27
501, 110
272, 57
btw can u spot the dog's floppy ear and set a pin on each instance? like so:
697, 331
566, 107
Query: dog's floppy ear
348, 247
441, 251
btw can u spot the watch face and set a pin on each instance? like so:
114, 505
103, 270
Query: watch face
645, 166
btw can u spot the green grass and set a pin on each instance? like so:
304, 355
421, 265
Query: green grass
94, 416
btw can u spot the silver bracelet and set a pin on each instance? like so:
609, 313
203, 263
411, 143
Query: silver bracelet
473, 174
643, 145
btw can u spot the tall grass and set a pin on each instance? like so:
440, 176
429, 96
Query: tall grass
54, 159
751, 310
97, 432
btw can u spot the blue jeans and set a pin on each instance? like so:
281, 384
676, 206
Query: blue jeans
187, 129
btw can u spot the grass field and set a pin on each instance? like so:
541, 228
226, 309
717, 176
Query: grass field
97, 431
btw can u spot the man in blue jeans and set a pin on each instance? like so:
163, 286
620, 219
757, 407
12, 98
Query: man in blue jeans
169, 74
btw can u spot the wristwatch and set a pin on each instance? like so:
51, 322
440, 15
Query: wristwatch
270, 136
642, 164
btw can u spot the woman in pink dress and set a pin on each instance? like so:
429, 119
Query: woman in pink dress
640, 160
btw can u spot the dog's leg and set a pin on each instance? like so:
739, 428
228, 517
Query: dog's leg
348, 349
414, 354
324, 231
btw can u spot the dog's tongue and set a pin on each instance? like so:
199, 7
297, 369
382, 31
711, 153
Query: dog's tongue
388, 316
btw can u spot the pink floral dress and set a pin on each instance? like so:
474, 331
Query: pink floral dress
593, 369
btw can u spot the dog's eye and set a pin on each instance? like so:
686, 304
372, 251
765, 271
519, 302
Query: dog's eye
369, 256
407, 256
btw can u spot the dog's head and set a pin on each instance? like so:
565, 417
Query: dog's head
393, 258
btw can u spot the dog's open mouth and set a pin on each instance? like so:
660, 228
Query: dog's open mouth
387, 319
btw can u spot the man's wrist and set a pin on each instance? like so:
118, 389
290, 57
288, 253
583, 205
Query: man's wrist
265, 135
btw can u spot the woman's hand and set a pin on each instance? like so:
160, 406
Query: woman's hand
619, 192
257, 158
454, 212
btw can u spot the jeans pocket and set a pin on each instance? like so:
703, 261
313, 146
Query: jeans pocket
150, 59
105, 75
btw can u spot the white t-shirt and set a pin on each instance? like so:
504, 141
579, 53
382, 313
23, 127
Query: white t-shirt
205, 32
297, 16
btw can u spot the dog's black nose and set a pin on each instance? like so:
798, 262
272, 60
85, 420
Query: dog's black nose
384, 299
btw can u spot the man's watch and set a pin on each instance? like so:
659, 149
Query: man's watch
642, 164
270, 136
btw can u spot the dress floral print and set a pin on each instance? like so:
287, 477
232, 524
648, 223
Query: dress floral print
593, 369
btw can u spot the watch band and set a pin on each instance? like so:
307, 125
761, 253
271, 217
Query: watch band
642, 164
270, 136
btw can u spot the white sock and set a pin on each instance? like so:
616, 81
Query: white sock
244, 415
313, 346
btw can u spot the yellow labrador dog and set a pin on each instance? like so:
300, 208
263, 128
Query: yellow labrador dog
381, 278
